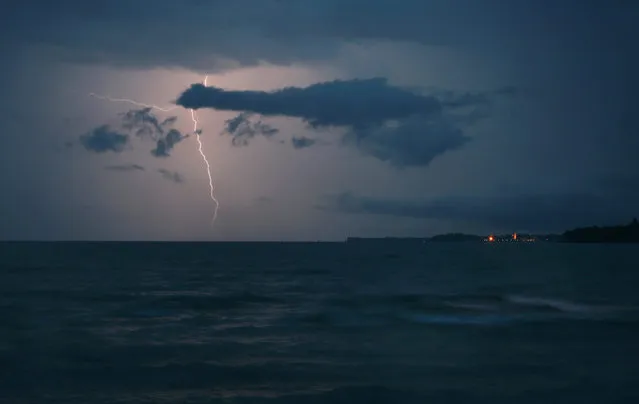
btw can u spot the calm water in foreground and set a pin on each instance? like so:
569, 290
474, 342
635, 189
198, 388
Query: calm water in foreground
318, 323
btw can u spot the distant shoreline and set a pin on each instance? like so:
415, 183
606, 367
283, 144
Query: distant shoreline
594, 234
624, 234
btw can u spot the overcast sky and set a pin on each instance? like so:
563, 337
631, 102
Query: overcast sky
320, 119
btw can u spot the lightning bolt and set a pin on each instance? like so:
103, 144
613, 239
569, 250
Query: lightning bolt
206, 161
139, 104
196, 131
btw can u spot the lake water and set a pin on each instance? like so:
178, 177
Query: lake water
318, 323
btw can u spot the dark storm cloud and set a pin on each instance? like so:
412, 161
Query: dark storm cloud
125, 167
302, 142
415, 141
282, 32
104, 139
353, 103
242, 129
532, 212
390, 123
172, 176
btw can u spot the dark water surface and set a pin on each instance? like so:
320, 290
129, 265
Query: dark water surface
318, 323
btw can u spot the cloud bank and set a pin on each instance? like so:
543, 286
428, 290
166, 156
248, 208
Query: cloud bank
223, 34
530, 212
390, 123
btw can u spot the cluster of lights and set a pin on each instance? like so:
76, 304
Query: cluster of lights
513, 238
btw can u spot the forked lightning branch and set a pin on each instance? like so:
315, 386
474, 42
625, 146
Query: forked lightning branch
196, 131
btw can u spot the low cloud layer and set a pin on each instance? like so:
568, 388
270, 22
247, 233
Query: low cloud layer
166, 143
390, 123
140, 123
145, 125
530, 212
352, 103
242, 129
104, 139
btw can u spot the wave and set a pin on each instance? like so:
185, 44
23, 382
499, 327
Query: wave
484, 310
565, 306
